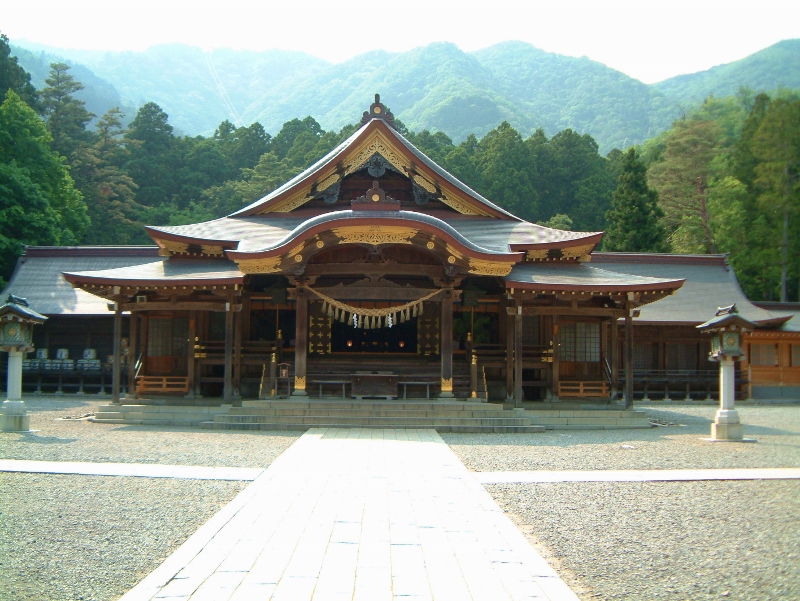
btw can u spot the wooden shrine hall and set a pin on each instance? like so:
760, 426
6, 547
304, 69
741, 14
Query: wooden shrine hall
374, 273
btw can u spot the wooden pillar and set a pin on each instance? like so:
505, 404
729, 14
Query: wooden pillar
628, 356
509, 357
228, 381
237, 355
190, 364
446, 348
614, 358
132, 351
115, 366
301, 342
556, 355
518, 358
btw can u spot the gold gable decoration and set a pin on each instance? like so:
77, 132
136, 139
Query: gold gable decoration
377, 143
481, 267
168, 247
581, 253
267, 265
297, 199
537, 255
374, 234
461, 206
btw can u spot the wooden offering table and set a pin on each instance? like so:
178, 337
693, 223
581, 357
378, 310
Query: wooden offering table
374, 384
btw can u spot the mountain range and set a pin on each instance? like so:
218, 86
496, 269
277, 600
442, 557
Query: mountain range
437, 87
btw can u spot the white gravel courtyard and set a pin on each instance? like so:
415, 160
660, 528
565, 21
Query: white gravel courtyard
87, 537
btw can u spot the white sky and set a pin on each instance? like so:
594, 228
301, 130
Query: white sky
649, 40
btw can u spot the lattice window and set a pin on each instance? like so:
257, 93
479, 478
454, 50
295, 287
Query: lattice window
681, 356
167, 337
763, 355
580, 342
645, 355
795, 355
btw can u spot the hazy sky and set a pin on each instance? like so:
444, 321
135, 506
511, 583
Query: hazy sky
649, 40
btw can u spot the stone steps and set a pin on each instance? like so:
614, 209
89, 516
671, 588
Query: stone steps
166, 415
444, 416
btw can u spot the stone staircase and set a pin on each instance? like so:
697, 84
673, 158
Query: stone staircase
157, 415
575, 416
443, 416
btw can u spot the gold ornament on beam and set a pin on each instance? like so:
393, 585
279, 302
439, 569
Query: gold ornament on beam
481, 267
581, 253
375, 234
537, 255
267, 265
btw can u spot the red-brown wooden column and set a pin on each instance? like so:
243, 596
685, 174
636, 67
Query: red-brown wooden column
132, 344
446, 346
190, 361
518, 357
301, 342
556, 356
509, 356
115, 371
228, 385
614, 357
628, 356
237, 355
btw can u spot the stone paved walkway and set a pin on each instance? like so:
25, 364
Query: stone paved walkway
358, 514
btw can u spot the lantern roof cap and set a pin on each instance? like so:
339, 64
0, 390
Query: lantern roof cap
727, 318
17, 307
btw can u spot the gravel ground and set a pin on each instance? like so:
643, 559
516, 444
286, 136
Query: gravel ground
64, 538
665, 540
657, 540
677, 446
58, 439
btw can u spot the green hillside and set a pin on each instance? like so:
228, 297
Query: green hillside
770, 69
437, 87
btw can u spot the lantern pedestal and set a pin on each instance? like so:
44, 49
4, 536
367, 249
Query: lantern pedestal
14, 416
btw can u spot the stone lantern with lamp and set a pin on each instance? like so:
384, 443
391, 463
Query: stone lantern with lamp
727, 329
16, 338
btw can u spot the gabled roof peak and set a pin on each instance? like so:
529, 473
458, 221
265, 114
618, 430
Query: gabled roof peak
378, 110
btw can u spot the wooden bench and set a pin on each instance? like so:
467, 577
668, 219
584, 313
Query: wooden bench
320, 383
426, 383
162, 384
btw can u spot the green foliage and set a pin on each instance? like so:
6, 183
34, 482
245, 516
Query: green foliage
633, 221
560, 221
38, 202
14, 77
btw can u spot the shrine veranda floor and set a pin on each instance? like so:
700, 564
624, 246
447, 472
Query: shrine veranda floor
95, 537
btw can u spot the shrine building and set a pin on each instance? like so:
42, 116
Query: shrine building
375, 273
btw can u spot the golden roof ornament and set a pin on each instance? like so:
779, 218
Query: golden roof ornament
378, 110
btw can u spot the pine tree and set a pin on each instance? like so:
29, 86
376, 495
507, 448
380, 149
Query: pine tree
633, 221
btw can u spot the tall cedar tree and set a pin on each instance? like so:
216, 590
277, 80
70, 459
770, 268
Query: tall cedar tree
14, 77
776, 144
633, 221
66, 116
682, 179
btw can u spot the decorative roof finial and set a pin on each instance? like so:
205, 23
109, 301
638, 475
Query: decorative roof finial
378, 110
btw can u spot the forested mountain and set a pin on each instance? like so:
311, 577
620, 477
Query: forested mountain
436, 87
770, 69
723, 177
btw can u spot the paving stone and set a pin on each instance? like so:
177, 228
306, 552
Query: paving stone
360, 514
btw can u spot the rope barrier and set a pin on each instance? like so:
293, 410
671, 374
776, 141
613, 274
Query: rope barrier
372, 318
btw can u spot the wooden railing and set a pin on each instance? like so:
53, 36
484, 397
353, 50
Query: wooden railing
162, 385
583, 389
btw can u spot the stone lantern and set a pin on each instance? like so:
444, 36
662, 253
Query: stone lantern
16, 337
727, 328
